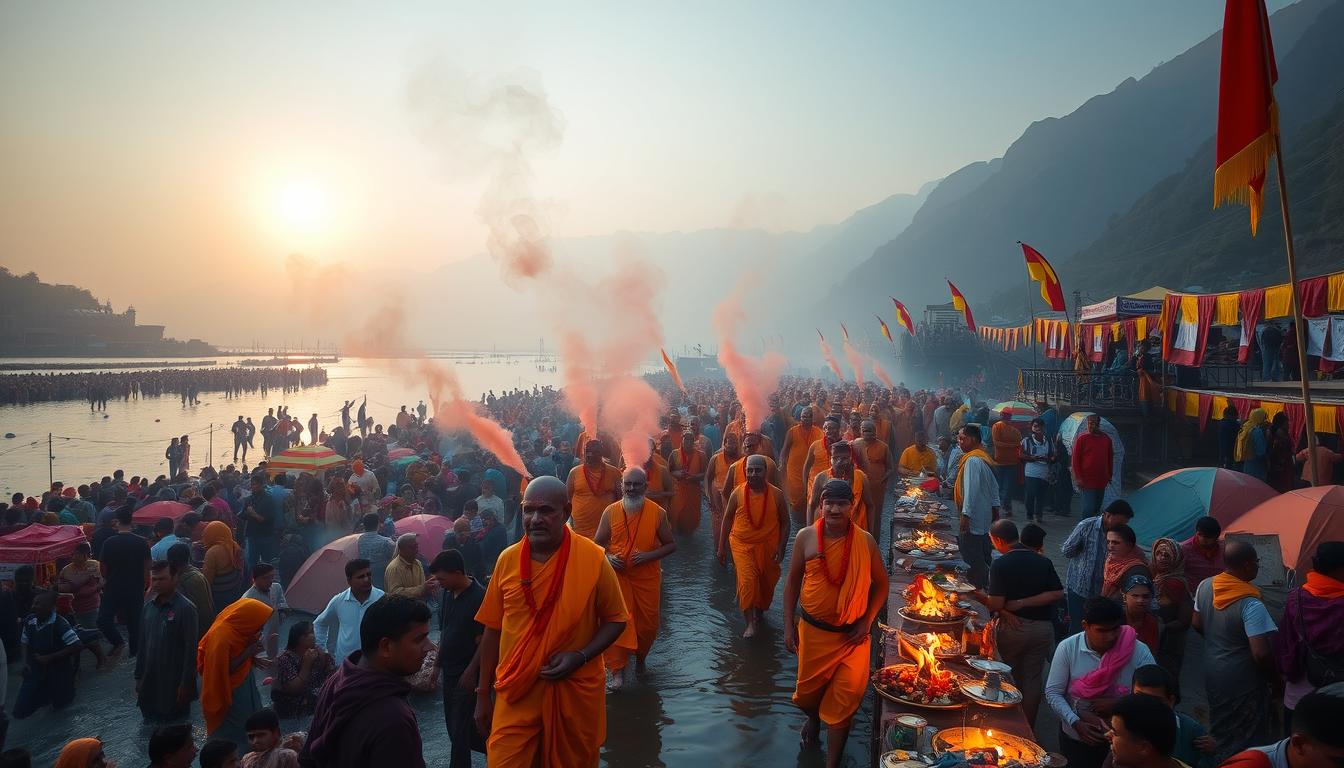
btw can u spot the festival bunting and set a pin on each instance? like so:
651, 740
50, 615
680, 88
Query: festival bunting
672, 370
1202, 404
886, 332
1040, 271
903, 317
1248, 117
963, 306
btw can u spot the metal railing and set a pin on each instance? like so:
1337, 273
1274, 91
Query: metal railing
1080, 389
1211, 376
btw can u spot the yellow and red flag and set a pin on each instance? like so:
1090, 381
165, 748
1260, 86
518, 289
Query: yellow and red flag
886, 332
963, 306
1248, 118
672, 370
903, 317
1040, 270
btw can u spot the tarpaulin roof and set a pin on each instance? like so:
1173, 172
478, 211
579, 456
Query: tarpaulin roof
1168, 506
39, 543
1303, 519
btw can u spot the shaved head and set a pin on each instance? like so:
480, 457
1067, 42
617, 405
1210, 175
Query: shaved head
545, 512
547, 489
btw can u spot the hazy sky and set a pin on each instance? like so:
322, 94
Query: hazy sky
138, 136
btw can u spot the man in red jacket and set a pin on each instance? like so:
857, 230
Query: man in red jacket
1093, 462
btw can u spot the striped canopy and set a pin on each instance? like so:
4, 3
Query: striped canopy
1016, 410
306, 458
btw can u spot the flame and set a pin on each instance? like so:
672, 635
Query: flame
924, 599
926, 540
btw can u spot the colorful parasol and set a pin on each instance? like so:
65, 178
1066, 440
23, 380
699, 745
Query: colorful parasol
154, 511
1016, 410
400, 453
305, 458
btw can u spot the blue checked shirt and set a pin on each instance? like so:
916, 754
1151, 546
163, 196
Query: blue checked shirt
1086, 550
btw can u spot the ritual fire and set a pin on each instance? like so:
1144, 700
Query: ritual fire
924, 600
924, 681
984, 747
926, 540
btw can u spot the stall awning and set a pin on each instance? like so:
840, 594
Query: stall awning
1147, 302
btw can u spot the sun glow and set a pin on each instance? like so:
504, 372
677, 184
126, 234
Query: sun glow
302, 209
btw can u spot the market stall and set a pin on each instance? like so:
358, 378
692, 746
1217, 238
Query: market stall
44, 547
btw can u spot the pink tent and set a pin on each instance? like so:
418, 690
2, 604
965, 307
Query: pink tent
152, 512
1302, 519
431, 529
322, 575
39, 543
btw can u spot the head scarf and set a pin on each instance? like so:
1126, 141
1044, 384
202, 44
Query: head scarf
1244, 450
1177, 568
1115, 568
217, 532
79, 753
233, 630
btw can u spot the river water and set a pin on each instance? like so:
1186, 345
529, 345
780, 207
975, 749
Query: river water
709, 698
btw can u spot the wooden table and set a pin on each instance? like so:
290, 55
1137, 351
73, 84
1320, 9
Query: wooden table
1004, 719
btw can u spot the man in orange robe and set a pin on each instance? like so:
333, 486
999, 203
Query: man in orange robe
752, 445
842, 468
661, 489
716, 477
592, 486
756, 528
797, 442
688, 465
918, 457
837, 574
637, 535
552, 608
819, 452
881, 464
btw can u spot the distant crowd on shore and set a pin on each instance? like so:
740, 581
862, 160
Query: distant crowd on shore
96, 388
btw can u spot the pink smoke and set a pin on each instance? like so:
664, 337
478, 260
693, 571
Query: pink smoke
855, 358
384, 334
754, 379
581, 397
630, 410
881, 374
830, 358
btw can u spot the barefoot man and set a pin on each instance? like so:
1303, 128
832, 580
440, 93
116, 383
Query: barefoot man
715, 479
688, 465
592, 486
842, 468
553, 606
793, 456
881, 465
756, 528
837, 572
636, 535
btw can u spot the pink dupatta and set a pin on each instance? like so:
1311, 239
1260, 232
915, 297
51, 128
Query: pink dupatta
1101, 681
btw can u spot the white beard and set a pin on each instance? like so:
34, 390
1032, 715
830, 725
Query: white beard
632, 505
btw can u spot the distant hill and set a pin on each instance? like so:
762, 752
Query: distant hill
1059, 185
28, 295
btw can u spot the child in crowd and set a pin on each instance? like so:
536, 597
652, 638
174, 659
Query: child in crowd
1194, 745
263, 735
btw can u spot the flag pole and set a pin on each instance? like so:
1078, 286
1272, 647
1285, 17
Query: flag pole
1299, 328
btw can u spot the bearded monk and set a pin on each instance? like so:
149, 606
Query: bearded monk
661, 488
838, 574
716, 478
636, 534
592, 486
688, 466
752, 445
919, 457
881, 464
552, 608
756, 529
793, 456
842, 468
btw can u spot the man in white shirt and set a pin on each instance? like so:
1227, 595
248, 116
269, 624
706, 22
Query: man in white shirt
347, 610
976, 494
1243, 680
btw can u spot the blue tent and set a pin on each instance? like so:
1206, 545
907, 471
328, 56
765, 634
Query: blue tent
1168, 506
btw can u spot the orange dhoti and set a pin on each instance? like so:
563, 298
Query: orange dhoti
832, 674
540, 722
641, 585
754, 541
589, 493
795, 483
685, 511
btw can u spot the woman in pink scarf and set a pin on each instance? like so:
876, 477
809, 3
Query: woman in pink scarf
1090, 671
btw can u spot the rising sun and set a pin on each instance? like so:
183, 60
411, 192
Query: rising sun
302, 208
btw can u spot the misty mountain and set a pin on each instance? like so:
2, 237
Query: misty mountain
1058, 186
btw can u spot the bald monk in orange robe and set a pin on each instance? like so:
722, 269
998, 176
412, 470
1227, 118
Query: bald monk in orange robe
756, 529
553, 607
592, 486
842, 468
881, 464
797, 442
716, 477
752, 445
637, 535
688, 466
837, 574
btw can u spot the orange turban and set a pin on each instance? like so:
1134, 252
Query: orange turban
79, 753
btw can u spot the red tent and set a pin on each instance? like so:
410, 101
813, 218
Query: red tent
152, 512
39, 543
322, 575
1302, 519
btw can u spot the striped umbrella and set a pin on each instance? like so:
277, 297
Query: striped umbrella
1016, 410
400, 453
306, 458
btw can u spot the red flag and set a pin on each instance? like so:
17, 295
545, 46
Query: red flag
961, 305
1248, 118
903, 317
1040, 270
885, 330
672, 370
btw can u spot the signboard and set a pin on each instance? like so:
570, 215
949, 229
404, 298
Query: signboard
1119, 308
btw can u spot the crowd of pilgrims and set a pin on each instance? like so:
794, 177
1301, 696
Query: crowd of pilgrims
217, 578
96, 388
